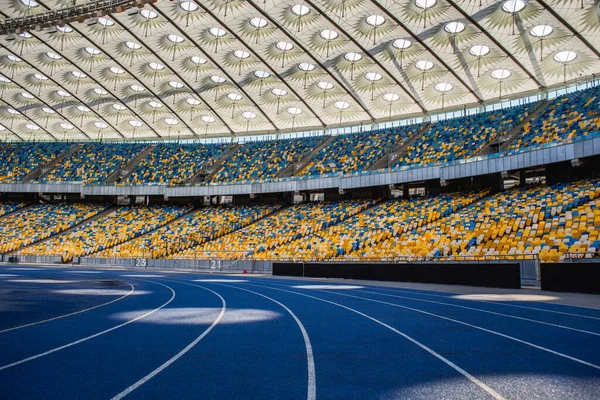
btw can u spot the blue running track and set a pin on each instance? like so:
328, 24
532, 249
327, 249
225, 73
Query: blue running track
79, 333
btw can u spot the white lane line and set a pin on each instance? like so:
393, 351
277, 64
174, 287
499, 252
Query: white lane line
498, 303
84, 272
7, 275
178, 355
14, 364
71, 314
144, 276
24, 269
473, 326
485, 311
467, 375
312, 377
42, 281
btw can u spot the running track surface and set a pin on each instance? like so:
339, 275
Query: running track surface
97, 334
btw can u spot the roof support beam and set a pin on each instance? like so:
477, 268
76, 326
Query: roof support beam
262, 60
368, 54
496, 43
428, 49
212, 60
42, 101
570, 27
176, 74
315, 59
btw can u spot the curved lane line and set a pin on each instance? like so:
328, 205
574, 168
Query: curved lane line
181, 353
467, 375
71, 314
473, 326
310, 359
14, 364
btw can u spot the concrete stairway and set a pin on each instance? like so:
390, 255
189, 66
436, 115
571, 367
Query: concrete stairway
296, 167
501, 143
42, 171
390, 158
204, 174
123, 172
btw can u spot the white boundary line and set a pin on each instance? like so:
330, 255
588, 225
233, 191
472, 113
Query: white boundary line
71, 314
472, 326
485, 311
310, 359
181, 353
467, 375
14, 364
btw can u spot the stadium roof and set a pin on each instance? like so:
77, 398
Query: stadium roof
192, 68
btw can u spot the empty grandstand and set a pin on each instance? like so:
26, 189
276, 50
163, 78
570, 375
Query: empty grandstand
173, 172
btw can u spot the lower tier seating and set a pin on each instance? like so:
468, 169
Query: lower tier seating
41, 221
193, 229
118, 226
8, 207
277, 229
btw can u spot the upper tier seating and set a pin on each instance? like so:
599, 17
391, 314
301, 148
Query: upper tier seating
20, 159
357, 151
8, 207
124, 223
567, 117
94, 163
389, 219
259, 161
173, 164
198, 227
463, 137
41, 221
282, 227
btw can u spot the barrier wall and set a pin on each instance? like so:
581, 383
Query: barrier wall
458, 169
501, 275
583, 277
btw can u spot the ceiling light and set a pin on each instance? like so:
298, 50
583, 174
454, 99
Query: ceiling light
62, 93
541, 30
192, 102
154, 104
25, 35
135, 123
217, 79
53, 56
64, 29
133, 45
14, 58
83, 109
234, 96
27, 95
198, 60
279, 92
249, 115
30, 3
156, 66
78, 74
12, 111
454, 27
424, 65
513, 6
425, 4
217, 32
101, 125
189, 6
171, 121
241, 54
66, 126
300, 9
479, 50
258, 22
262, 74
306, 66
48, 110
137, 88
209, 119
341, 105
444, 87
352, 57
176, 38
32, 127
176, 85
500, 74
92, 50
325, 85
148, 14
294, 111
565, 56
116, 70
375, 20
391, 97
329, 34
284, 46
402, 44
119, 107
100, 91
105, 21
4, 79
40, 77
373, 76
